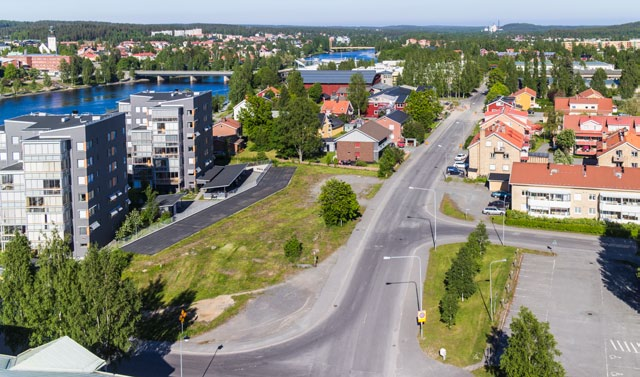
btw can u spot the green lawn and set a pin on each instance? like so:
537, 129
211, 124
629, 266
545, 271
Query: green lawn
451, 209
245, 251
465, 342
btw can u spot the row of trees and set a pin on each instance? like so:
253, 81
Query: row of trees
87, 300
460, 278
137, 219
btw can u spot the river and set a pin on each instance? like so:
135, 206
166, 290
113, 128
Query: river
97, 99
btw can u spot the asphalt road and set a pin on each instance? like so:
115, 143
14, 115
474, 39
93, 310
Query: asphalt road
343, 319
274, 180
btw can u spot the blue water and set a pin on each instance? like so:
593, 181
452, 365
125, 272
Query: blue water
357, 55
97, 100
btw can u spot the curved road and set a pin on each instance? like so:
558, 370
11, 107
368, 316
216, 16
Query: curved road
358, 325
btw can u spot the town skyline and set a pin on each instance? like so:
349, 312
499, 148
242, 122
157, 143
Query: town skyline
465, 13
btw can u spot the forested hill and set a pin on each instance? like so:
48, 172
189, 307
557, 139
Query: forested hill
613, 32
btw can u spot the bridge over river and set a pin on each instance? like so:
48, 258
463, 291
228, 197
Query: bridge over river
193, 75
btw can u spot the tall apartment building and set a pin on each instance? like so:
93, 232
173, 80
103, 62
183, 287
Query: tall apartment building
64, 174
169, 138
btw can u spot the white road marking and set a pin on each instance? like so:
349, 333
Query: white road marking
626, 345
634, 347
620, 345
613, 344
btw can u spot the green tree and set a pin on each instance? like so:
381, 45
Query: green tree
496, 91
357, 92
87, 71
414, 130
11, 72
553, 121
496, 75
46, 80
297, 129
562, 157
424, 107
266, 76
315, 92
293, 249
531, 349
15, 288
598, 81
16, 84
449, 306
566, 140
151, 209
257, 122
338, 203
391, 156
110, 304
240, 83
296, 85
630, 106
65, 71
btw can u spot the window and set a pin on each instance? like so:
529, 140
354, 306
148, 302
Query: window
619, 153
356, 144
3, 156
592, 211
577, 210
487, 144
82, 180
83, 230
35, 201
82, 197
492, 156
82, 163
634, 153
634, 164
80, 146
505, 167
15, 140
577, 197
82, 214
592, 197
492, 167
16, 156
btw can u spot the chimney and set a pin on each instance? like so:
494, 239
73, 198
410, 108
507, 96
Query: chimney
548, 165
584, 170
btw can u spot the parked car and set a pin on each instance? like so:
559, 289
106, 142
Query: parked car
497, 203
452, 170
502, 195
461, 157
493, 211
461, 165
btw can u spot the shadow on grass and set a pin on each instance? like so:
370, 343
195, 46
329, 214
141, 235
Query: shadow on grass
160, 321
618, 265
497, 341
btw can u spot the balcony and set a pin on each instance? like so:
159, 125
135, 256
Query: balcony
587, 142
548, 204
616, 207
616, 158
498, 150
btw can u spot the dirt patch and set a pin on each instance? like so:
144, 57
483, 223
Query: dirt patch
359, 184
207, 310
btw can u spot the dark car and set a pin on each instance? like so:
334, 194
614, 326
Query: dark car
497, 203
502, 195
452, 170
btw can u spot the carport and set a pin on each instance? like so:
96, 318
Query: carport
220, 180
169, 203
498, 182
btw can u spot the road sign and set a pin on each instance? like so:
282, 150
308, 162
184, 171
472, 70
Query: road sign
422, 316
183, 315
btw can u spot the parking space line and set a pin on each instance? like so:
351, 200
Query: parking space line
626, 345
613, 344
634, 347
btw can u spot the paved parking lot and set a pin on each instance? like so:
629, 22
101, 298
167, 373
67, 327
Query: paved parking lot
590, 299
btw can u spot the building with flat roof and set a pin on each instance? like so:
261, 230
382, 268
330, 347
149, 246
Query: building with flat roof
64, 174
169, 138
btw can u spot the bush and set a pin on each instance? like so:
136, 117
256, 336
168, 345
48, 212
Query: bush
338, 203
361, 163
293, 249
449, 308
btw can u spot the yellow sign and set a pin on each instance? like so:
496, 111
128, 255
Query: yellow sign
422, 316
183, 315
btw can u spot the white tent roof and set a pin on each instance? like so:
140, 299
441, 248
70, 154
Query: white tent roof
60, 355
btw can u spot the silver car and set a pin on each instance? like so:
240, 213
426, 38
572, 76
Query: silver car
493, 211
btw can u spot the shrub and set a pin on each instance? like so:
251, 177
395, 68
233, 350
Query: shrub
361, 163
449, 308
293, 249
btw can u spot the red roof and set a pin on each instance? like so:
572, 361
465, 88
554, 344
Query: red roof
527, 90
575, 176
616, 139
574, 122
604, 105
336, 107
229, 122
590, 93
506, 133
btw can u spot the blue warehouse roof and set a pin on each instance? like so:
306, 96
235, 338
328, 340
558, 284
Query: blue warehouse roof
336, 77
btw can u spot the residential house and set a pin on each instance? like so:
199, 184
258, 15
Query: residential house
63, 174
500, 102
365, 143
620, 148
330, 125
337, 107
269, 92
576, 191
525, 98
227, 136
590, 131
589, 102
394, 121
385, 101
169, 138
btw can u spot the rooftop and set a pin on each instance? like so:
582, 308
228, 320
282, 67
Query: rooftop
167, 96
335, 77
46, 122
575, 176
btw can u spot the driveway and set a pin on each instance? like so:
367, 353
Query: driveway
276, 179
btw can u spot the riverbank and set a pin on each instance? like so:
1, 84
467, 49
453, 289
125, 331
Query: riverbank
61, 89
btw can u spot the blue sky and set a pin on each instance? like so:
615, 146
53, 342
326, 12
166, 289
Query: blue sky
329, 12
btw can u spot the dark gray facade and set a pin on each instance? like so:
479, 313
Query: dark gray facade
75, 178
169, 139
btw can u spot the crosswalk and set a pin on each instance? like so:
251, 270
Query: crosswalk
625, 346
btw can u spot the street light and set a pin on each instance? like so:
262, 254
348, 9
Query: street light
435, 213
491, 287
504, 214
420, 306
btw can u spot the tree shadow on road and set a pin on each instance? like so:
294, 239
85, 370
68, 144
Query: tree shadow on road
618, 260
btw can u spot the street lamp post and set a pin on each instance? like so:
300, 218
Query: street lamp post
491, 287
420, 306
183, 315
504, 214
435, 213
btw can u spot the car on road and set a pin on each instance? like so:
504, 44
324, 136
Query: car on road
461, 157
493, 211
461, 165
502, 195
452, 170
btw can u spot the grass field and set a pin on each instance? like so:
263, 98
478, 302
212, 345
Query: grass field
466, 340
451, 209
245, 251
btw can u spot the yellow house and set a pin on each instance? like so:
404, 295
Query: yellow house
330, 126
525, 98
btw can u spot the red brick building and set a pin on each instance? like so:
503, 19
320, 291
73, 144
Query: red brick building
44, 62
365, 143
